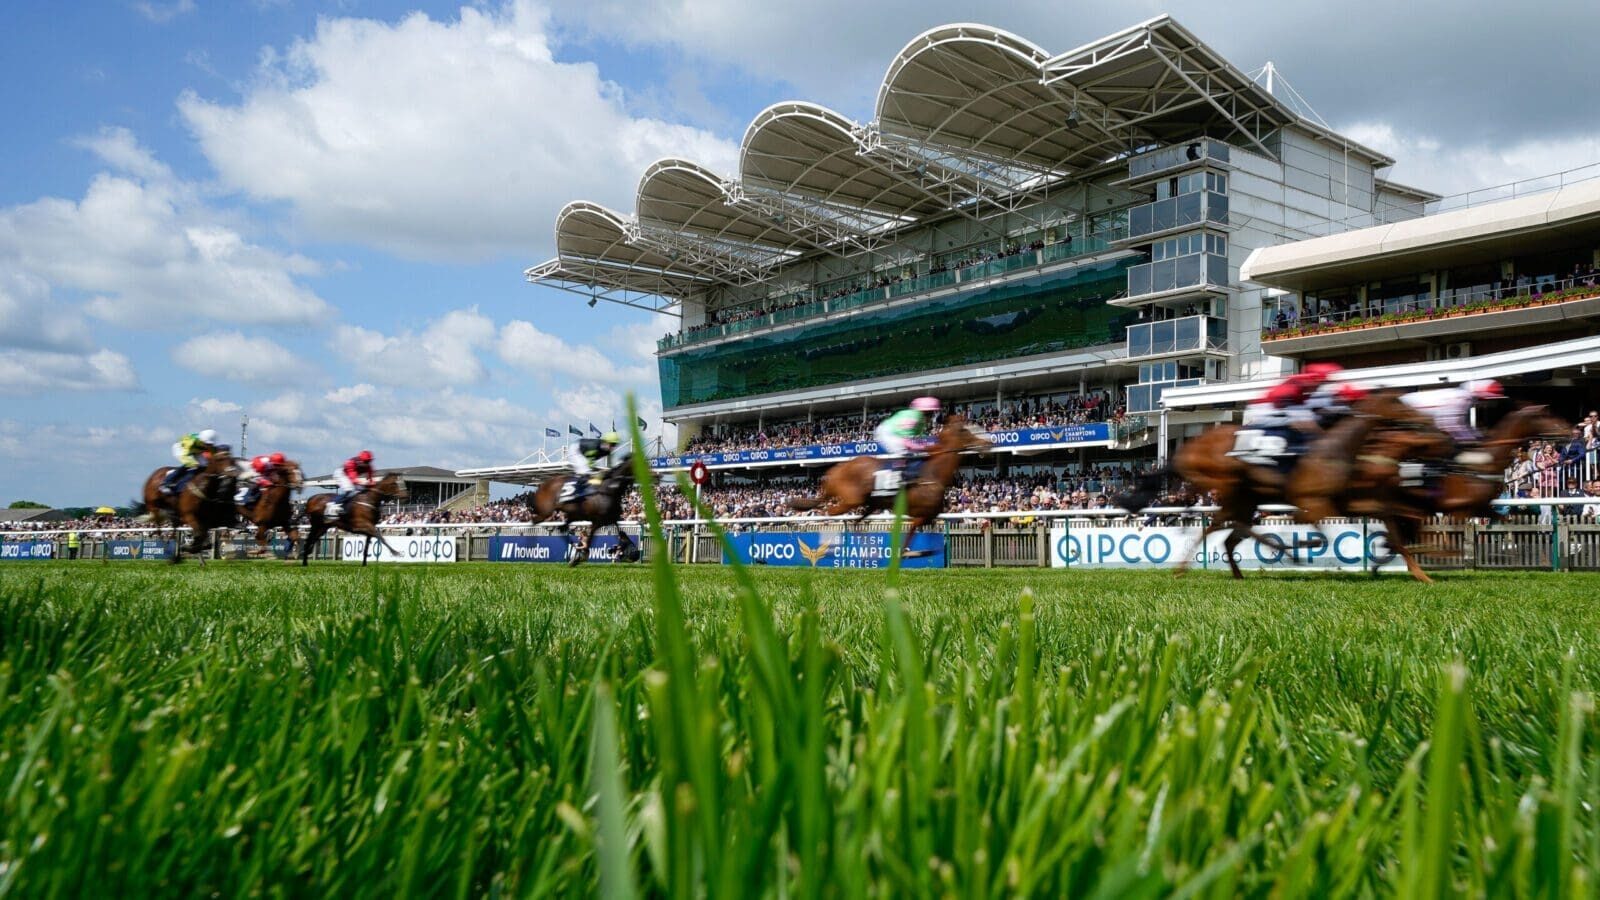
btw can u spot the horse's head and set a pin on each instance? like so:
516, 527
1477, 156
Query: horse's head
292, 476
1533, 420
391, 487
957, 437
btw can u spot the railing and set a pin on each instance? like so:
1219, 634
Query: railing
1188, 333
1182, 211
1453, 303
1025, 261
1192, 270
1155, 161
1557, 537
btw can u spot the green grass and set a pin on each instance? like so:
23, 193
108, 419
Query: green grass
530, 730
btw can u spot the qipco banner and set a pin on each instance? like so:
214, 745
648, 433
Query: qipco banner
1342, 548
407, 549
846, 550
27, 550
550, 548
145, 549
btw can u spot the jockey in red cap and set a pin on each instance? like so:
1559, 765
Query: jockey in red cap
354, 477
1451, 410
1279, 424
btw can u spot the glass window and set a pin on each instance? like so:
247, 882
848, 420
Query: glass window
1216, 181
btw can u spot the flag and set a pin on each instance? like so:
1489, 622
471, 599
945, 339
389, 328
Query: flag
593, 429
642, 425
573, 429
551, 432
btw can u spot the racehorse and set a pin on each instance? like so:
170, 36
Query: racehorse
848, 485
1471, 490
274, 507
1239, 487
1356, 470
601, 508
359, 516
206, 502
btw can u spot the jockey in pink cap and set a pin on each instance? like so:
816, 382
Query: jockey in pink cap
905, 434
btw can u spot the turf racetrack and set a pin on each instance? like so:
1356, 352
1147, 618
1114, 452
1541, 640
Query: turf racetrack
528, 729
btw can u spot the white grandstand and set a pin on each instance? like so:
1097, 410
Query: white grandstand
1015, 229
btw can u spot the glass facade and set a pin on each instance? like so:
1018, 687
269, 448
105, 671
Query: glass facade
1193, 270
1190, 333
1143, 398
1031, 315
1182, 211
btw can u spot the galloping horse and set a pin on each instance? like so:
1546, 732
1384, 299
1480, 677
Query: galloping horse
273, 508
359, 516
601, 508
1355, 470
848, 485
206, 502
1241, 488
1471, 490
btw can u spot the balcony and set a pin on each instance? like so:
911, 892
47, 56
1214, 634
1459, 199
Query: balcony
1146, 398
1175, 214
1179, 156
1198, 272
1190, 334
1573, 302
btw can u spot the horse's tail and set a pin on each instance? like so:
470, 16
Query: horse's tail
1145, 491
137, 509
802, 504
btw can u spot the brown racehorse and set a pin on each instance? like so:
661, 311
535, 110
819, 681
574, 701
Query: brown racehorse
848, 485
1355, 471
359, 516
601, 508
274, 508
1240, 488
1472, 490
206, 502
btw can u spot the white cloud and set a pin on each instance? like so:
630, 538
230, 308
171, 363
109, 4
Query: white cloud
351, 394
443, 353
211, 407
161, 13
537, 352
150, 251
45, 370
436, 139
30, 319
233, 356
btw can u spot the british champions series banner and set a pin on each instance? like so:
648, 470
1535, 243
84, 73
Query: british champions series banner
1345, 548
145, 549
1016, 439
845, 550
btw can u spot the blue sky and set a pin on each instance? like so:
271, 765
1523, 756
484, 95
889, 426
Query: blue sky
318, 213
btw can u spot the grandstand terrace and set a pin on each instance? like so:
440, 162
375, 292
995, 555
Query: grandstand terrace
1012, 225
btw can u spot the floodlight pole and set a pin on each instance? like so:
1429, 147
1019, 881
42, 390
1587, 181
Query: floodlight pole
244, 429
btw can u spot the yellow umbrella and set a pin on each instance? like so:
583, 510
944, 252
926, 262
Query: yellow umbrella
105, 511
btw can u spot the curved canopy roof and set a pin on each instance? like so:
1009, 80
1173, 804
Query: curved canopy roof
980, 89
680, 195
803, 148
968, 119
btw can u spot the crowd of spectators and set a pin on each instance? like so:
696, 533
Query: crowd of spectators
1032, 412
1327, 311
86, 523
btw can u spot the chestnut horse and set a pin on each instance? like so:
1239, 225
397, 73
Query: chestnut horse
206, 502
1372, 486
1240, 488
274, 508
359, 516
848, 485
601, 508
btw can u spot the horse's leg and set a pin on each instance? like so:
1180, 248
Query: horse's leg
1200, 542
1403, 547
1230, 543
313, 535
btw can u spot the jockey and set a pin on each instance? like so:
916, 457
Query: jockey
192, 451
354, 477
1278, 425
904, 435
265, 467
1451, 410
585, 456
1334, 401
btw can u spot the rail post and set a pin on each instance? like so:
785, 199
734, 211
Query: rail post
988, 547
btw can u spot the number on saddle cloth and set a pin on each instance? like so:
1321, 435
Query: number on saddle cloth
885, 481
569, 491
1259, 447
